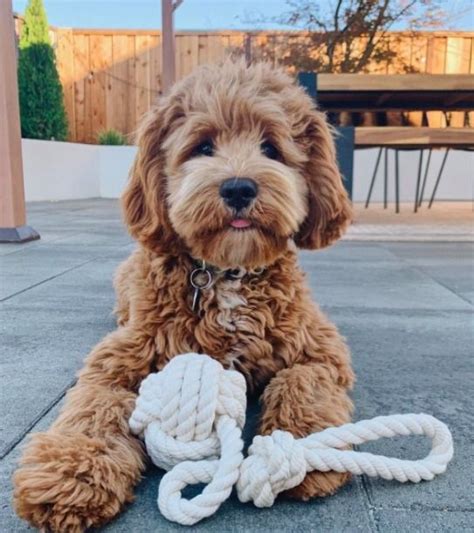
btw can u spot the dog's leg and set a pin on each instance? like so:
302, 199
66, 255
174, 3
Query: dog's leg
122, 284
303, 399
82, 470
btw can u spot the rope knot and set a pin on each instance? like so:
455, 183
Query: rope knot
193, 410
273, 462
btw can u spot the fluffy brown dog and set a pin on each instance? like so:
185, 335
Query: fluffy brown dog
236, 167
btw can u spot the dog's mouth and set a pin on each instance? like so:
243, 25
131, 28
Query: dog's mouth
241, 223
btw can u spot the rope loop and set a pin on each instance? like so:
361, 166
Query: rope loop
279, 462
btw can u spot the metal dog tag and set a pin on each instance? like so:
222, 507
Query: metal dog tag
200, 278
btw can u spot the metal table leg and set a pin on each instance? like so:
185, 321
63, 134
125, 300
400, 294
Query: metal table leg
418, 180
373, 178
420, 200
438, 178
385, 178
397, 183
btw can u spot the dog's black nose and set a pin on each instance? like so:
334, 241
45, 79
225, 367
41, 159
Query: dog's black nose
238, 192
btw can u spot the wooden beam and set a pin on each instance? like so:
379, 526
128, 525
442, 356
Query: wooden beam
395, 82
168, 45
409, 137
12, 193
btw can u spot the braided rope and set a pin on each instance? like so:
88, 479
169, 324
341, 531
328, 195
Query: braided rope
191, 416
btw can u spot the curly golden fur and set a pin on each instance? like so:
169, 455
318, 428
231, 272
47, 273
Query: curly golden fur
82, 471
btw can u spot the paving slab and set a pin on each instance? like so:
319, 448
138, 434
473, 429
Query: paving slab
425, 521
346, 279
407, 366
454, 268
46, 333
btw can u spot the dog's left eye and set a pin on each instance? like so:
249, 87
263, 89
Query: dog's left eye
269, 150
205, 148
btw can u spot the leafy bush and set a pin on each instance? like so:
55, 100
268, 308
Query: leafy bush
41, 96
112, 137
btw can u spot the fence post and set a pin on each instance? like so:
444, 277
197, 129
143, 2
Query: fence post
12, 193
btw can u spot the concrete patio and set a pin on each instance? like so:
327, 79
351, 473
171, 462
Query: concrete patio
406, 309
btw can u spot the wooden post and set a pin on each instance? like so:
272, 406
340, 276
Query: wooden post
12, 193
168, 43
168, 47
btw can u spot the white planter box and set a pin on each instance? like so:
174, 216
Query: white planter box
115, 163
67, 171
59, 171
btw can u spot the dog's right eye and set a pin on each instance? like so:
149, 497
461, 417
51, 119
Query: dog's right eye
205, 148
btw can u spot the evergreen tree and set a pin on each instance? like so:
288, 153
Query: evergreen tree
41, 96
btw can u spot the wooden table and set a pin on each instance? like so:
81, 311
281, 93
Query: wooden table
402, 92
396, 92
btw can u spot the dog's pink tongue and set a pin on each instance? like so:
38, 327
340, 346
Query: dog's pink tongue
240, 223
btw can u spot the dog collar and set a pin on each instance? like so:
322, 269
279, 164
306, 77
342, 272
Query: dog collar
203, 276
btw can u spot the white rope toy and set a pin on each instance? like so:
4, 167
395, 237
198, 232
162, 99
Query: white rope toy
191, 416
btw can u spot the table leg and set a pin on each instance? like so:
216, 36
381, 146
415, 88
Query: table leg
373, 178
420, 200
438, 178
418, 180
397, 183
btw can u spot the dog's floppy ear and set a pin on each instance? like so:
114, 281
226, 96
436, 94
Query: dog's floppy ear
329, 209
144, 199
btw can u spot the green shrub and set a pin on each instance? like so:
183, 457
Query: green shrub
41, 96
111, 137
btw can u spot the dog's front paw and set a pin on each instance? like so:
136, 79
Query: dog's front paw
69, 482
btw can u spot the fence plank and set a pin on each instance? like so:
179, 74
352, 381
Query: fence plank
65, 63
458, 55
101, 60
131, 86
155, 67
142, 75
187, 54
82, 98
216, 48
117, 97
417, 64
203, 49
436, 64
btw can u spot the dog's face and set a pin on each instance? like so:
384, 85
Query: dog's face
233, 164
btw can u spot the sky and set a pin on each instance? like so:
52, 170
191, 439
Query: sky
193, 14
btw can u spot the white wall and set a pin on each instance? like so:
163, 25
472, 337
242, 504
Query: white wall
59, 171
66, 171
63, 171
115, 163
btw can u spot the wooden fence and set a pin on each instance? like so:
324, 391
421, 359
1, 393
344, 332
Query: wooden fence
111, 78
